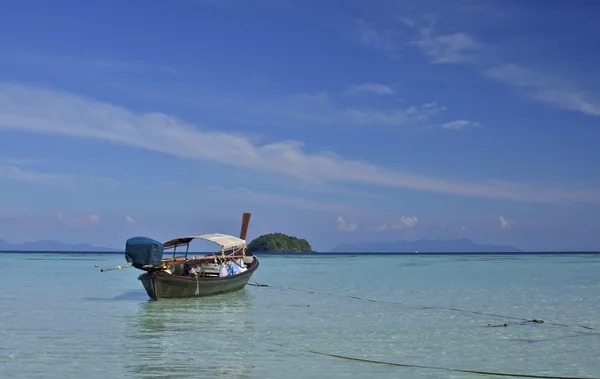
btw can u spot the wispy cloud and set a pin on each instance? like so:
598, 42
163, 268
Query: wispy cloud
35, 177
130, 220
333, 108
546, 88
431, 105
44, 111
323, 108
375, 38
370, 87
455, 47
440, 47
447, 48
460, 124
346, 226
247, 196
462, 47
66, 181
404, 223
505, 223
115, 64
15, 161
78, 220
408, 22
111, 64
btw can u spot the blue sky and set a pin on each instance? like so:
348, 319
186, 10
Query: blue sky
333, 121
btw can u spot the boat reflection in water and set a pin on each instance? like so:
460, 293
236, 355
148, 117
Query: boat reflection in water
208, 337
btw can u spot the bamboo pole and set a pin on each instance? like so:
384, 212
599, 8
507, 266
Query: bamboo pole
116, 268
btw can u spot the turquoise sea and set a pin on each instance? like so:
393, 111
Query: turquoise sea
60, 317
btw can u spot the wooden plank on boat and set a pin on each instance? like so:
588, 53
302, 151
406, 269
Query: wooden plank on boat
245, 221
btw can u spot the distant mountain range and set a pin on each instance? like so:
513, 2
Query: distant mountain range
49, 245
463, 245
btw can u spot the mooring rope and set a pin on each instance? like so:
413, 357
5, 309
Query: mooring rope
408, 365
525, 320
478, 372
424, 367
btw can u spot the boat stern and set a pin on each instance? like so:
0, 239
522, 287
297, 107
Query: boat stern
149, 285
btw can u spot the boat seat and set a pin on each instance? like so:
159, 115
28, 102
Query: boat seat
177, 268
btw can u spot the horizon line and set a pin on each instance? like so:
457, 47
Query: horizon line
115, 252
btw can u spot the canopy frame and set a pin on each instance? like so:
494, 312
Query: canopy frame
224, 240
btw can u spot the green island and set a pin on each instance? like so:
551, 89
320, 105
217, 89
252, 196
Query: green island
279, 243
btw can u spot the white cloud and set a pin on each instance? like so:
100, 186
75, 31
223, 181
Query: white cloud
462, 47
384, 40
322, 108
43, 111
506, 223
460, 124
408, 22
403, 223
35, 177
545, 88
432, 108
78, 220
409, 221
130, 220
449, 48
67, 181
345, 226
376, 88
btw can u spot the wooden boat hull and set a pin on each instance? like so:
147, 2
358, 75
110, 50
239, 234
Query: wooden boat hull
162, 285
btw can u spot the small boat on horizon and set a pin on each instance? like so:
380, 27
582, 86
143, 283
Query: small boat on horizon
185, 277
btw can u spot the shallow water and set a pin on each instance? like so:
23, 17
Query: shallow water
60, 317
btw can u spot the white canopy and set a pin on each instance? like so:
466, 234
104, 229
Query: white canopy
224, 240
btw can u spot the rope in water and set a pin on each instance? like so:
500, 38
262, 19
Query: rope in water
526, 320
478, 372
409, 365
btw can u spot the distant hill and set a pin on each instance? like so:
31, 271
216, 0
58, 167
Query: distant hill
463, 245
48, 245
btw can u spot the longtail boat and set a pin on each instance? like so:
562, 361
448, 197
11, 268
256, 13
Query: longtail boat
182, 276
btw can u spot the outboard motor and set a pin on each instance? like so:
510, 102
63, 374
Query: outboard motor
143, 253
